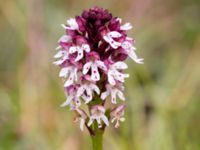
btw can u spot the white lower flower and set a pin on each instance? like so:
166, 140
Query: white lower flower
62, 55
79, 50
114, 73
81, 116
130, 51
109, 38
98, 114
113, 91
86, 90
94, 65
117, 115
72, 100
70, 73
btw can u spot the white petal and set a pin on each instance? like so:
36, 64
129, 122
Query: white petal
112, 43
101, 65
120, 95
129, 38
95, 88
65, 38
90, 121
67, 102
133, 56
59, 47
64, 26
86, 67
73, 49
58, 62
80, 91
72, 23
99, 122
79, 55
105, 120
89, 94
111, 80
86, 47
104, 95
119, 19
70, 80
64, 72
126, 45
113, 119
113, 96
75, 74
59, 54
94, 73
122, 119
126, 26
115, 44
120, 65
114, 34
107, 38
120, 76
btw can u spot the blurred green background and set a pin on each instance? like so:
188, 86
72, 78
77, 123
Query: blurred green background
163, 95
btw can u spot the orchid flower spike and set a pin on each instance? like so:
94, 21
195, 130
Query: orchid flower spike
91, 56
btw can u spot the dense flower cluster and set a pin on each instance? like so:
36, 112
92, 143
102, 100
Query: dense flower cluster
91, 56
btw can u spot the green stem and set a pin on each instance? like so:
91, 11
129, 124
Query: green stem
97, 139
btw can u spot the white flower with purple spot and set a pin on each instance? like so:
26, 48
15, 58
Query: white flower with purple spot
113, 92
98, 114
130, 51
69, 72
115, 74
87, 89
72, 98
79, 50
94, 64
109, 37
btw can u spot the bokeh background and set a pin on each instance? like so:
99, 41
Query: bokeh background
163, 95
